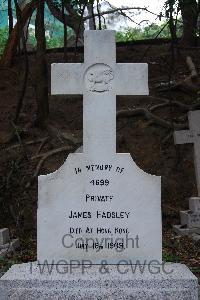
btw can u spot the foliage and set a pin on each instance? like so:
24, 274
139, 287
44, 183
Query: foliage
148, 32
3, 39
51, 42
55, 42
54, 32
54, 39
171, 257
129, 35
153, 30
76, 4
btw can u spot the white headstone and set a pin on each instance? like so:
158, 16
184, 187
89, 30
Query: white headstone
99, 205
192, 136
6, 244
194, 204
191, 217
4, 236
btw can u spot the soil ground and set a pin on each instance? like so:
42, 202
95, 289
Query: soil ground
150, 145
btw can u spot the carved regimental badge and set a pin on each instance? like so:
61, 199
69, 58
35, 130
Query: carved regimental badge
98, 78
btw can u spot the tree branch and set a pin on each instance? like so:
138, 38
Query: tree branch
112, 11
72, 20
149, 116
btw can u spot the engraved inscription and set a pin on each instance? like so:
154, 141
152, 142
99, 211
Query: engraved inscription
98, 78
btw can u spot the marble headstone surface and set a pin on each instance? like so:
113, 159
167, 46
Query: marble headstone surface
99, 205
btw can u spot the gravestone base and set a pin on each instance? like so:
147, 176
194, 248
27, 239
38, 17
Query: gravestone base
27, 281
196, 237
180, 230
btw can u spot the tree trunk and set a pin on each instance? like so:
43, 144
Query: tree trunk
189, 13
25, 79
10, 16
41, 68
13, 40
92, 25
64, 30
99, 14
172, 26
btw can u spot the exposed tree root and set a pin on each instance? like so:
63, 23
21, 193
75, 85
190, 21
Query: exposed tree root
150, 117
43, 142
191, 67
44, 156
182, 106
190, 84
54, 151
147, 113
71, 138
27, 143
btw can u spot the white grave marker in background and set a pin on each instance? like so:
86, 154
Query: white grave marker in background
99, 205
190, 219
192, 136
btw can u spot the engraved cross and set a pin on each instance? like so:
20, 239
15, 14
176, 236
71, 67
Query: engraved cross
99, 79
